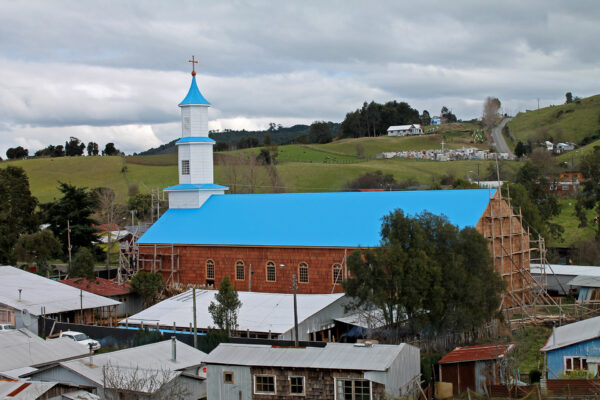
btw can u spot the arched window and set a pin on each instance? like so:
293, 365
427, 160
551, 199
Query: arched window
240, 273
303, 272
337, 274
271, 271
210, 269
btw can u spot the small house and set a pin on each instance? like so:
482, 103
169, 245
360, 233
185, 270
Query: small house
436, 120
335, 371
572, 348
404, 130
475, 367
587, 287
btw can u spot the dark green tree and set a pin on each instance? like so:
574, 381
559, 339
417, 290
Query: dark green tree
51, 151
372, 180
110, 150
149, 285
520, 149
77, 205
447, 115
569, 98
74, 147
17, 210
224, 311
373, 119
16, 153
319, 132
142, 204
426, 274
38, 247
589, 197
82, 265
221, 146
425, 118
92, 149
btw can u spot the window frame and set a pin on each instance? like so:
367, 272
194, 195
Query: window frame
581, 363
273, 393
303, 394
240, 263
333, 273
185, 167
270, 264
300, 273
225, 373
207, 269
353, 380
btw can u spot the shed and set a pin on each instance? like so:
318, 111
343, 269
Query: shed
588, 287
261, 314
130, 301
153, 370
573, 347
337, 370
475, 367
556, 277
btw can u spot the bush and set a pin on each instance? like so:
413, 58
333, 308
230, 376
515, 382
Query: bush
82, 265
534, 376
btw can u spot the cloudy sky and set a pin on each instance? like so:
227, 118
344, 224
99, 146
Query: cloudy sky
114, 71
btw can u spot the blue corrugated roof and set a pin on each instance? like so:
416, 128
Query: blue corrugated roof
196, 186
189, 139
194, 96
340, 219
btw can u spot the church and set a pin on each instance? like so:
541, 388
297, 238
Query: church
265, 241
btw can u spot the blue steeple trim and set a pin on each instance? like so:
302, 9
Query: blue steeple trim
195, 139
196, 186
194, 96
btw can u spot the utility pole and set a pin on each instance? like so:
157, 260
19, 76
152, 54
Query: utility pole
81, 304
195, 325
132, 213
477, 174
69, 241
295, 286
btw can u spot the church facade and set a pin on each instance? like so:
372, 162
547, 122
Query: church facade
265, 241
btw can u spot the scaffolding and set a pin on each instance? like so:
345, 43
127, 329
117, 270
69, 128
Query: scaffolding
163, 259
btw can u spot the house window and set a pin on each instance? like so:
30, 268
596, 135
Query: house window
575, 363
270, 271
228, 377
297, 385
352, 389
185, 167
210, 269
303, 272
239, 271
337, 273
264, 384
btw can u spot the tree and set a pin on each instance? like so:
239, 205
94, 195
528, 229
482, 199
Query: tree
77, 205
109, 213
589, 198
267, 140
110, 150
319, 132
520, 149
491, 107
38, 247
51, 151
372, 180
569, 98
247, 142
373, 119
425, 118
221, 146
225, 311
74, 147
16, 153
426, 274
17, 210
82, 265
142, 204
447, 115
92, 149
149, 285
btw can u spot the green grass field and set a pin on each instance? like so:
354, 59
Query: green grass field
570, 223
568, 122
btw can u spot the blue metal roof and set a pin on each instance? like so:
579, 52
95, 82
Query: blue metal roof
191, 139
340, 219
195, 186
194, 96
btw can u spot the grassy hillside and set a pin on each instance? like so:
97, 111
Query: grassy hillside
567, 219
568, 122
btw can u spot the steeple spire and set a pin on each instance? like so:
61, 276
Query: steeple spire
194, 62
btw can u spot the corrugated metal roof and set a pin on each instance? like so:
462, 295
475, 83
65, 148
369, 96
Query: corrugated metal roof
154, 356
573, 333
378, 357
474, 353
569, 270
585, 281
37, 291
340, 219
260, 312
99, 286
194, 96
22, 348
12, 389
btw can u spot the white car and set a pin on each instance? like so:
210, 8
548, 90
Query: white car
6, 327
81, 338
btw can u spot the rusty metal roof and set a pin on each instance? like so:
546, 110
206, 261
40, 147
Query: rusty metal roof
474, 353
100, 286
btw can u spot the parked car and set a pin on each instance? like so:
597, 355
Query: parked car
6, 327
81, 338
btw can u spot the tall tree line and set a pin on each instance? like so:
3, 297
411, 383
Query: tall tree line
373, 119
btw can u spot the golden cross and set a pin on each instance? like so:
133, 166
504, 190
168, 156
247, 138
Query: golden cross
193, 61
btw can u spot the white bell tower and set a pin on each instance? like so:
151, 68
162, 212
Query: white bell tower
195, 152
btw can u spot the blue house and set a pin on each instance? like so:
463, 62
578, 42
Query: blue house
573, 347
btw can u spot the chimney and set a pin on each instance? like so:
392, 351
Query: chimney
173, 348
20, 294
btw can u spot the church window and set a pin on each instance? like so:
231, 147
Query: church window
185, 167
337, 274
303, 272
240, 271
210, 269
271, 271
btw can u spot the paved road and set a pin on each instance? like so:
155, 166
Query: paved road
498, 138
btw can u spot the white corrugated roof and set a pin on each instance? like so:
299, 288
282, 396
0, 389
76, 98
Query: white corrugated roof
150, 357
403, 127
585, 281
377, 357
37, 291
573, 333
22, 348
558, 269
27, 390
260, 312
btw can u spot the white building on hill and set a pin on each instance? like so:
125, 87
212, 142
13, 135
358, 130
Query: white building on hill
405, 130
